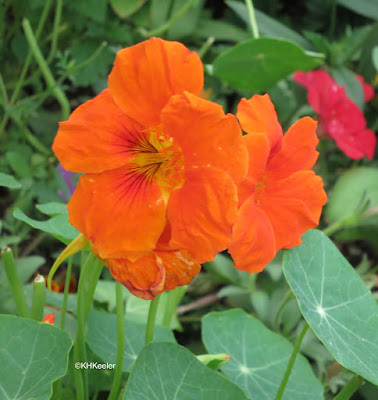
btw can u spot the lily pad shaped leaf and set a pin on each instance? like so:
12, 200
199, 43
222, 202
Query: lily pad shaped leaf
102, 337
258, 357
258, 64
32, 356
335, 302
171, 372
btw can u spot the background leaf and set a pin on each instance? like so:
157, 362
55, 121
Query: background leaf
367, 8
8, 181
32, 356
258, 357
256, 65
169, 371
335, 302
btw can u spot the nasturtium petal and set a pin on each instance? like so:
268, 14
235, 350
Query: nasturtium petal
258, 357
145, 76
102, 337
32, 356
118, 211
335, 302
170, 371
298, 151
258, 115
206, 136
96, 136
293, 206
202, 213
253, 244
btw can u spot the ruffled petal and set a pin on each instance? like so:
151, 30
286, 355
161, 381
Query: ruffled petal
96, 137
146, 75
121, 212
180, 268
293, 206
252, 244
257, 115
206, 135
356, 144
298, 151
367, 88
202, 213
144, 277
258, 148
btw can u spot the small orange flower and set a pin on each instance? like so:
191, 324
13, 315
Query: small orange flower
153, 154
280, 198
49, 319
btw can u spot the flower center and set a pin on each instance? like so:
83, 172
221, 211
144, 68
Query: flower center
159, 160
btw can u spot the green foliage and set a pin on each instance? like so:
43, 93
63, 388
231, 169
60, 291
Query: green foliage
335, 302
33, 355
8, 181
258, 64
257, 356
169, 371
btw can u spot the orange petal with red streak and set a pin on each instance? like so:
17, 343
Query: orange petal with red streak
202, 213
298, 151
252, 245
119, 211
206, 135
96, 137
258, 115
293, 206
146, 75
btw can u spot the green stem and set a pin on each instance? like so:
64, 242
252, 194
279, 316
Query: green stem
206, 46
80, 352
151, 320
348, 390
25, 68
55, 34
58, 93
286, 299
330, 230
332, 23
252, 18
171, 21
14, 282
39, 297
291, 362
120, 344
65, 295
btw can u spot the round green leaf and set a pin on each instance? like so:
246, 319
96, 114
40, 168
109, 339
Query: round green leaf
258, 357
335, 302
169, 371
258, 64
102, 337
32, 356
352, 187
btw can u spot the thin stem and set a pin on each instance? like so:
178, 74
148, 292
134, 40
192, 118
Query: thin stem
58, 93
252, 18
206, 46
65, 295
171, 21
330, 230
55, 34
14, 282
348, 390
291, 362
332, 23
286, 299
151, 320
120, 344
25, 68
80, 352
39, 297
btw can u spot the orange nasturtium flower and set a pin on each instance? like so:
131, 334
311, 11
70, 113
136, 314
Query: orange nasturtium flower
280, 198
158, 195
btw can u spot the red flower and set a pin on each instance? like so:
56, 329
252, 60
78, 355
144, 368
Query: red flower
49, 319
339, 117
280, 198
